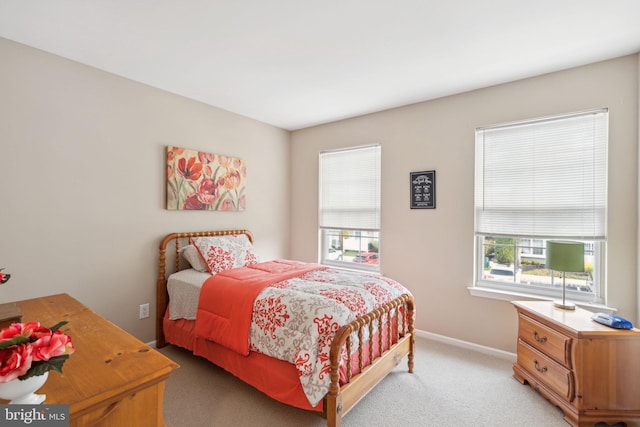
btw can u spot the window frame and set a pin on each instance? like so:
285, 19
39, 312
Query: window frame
353, 225
506, 290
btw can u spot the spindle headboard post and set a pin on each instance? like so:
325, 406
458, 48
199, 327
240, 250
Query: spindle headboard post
180, 240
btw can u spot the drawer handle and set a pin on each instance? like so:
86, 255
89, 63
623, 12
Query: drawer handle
539, 338
538, 368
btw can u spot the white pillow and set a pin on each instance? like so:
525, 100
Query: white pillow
191, 254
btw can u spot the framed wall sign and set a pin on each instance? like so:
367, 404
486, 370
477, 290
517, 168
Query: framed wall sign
423, 190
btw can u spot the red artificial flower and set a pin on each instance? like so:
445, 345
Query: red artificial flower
4, 277
30, 349
15, 361
52, 345
19, 330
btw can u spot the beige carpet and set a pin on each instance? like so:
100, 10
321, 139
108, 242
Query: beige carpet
450, 386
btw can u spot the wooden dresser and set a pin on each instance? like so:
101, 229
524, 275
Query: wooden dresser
590, 371
112, 379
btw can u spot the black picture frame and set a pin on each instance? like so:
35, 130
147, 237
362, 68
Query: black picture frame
423, 189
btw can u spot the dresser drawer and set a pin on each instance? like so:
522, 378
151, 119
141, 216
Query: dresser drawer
547, 371
545, 339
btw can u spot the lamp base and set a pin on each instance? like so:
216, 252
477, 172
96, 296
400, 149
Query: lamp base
565, 305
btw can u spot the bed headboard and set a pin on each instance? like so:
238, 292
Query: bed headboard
171, 262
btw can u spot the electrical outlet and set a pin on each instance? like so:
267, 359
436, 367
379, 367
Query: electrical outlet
144, 311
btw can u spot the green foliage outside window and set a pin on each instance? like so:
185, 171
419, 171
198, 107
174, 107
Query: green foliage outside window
504, 254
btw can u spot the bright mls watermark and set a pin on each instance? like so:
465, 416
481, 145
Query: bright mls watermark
34, 415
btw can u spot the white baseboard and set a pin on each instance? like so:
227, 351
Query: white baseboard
466, 345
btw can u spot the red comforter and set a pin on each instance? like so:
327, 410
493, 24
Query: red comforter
226, 300
290, 311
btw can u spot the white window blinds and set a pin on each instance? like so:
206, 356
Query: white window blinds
350, 189
544, 178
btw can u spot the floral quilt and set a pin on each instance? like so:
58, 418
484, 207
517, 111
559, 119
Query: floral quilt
295, 319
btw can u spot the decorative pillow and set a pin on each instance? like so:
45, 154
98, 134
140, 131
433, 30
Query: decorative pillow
191, 254
222, 253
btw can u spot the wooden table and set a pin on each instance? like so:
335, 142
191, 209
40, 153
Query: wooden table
112, 379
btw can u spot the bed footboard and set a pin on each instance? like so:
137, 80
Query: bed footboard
400, 338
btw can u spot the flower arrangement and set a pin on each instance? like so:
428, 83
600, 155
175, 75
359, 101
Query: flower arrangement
29, 349
4, 277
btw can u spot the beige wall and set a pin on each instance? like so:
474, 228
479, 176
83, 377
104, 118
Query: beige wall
82, 182
82, 185
431, 251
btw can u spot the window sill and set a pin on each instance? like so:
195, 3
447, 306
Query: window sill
356, 270
477, 291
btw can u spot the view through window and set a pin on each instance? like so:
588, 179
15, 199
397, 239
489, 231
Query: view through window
513, 263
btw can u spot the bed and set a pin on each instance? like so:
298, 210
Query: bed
351, 359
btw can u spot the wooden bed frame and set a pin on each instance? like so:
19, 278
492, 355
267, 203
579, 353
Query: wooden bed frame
341, 397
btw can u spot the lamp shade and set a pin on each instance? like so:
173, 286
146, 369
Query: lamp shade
565, 256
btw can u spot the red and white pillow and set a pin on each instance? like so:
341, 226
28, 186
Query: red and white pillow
220, 253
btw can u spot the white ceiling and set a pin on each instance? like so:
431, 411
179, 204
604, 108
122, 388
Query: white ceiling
298, 63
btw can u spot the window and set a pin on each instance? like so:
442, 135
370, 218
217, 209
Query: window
536, 181
349, 217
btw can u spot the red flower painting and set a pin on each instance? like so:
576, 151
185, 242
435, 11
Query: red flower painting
203, 181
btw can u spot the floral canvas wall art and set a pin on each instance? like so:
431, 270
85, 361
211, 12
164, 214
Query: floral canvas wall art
203, 181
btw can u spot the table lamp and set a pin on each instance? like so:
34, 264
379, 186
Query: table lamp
565, 256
